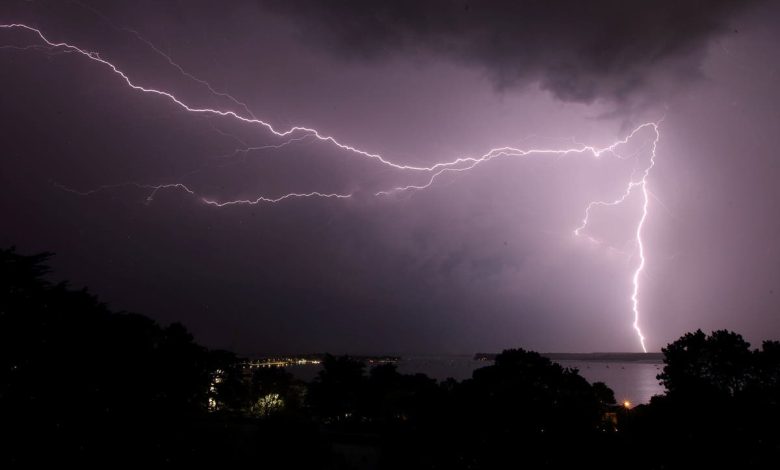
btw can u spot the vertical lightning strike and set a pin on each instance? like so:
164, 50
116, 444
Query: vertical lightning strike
632, 185
460, 164
640, 243
640, 268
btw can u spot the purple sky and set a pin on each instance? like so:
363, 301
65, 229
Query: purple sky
483, 259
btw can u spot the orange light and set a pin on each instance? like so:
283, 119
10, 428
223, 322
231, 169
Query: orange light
626, 404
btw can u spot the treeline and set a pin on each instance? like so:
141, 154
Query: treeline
80, 384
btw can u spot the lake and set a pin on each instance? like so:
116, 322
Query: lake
631, 380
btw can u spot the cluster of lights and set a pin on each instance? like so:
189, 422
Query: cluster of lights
281, 362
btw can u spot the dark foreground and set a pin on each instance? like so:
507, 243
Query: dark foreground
82, 385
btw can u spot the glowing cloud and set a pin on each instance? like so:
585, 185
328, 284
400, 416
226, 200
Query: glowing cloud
297, 133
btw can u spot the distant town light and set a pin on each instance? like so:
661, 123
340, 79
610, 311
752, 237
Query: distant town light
626, 404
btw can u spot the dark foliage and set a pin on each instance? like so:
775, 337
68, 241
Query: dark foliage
721, 407
80, 384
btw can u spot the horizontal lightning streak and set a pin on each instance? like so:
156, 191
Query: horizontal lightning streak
596, 151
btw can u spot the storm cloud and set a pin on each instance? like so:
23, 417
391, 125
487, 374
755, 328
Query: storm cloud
619, 51
480, 261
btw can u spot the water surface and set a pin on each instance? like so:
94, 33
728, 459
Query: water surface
631, 380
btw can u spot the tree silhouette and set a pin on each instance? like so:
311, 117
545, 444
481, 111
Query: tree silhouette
698, 365
84, 382
720, 409
524, 407
338, 390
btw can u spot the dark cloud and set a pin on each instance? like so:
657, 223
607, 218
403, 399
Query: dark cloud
617, 50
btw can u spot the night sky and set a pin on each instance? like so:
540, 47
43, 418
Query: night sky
482, 259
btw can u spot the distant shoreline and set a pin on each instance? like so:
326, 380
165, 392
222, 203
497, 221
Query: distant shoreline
316, 358
649, 358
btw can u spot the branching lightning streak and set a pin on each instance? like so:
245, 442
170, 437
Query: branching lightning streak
460, 164
189, 75
277, 199
215, 112
166, 57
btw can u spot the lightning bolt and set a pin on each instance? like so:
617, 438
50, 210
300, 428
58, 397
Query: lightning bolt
632, 185
298, 133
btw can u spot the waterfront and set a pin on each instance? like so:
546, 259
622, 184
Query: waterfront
634, 381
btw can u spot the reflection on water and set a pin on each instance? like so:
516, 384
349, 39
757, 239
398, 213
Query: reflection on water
632, 381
